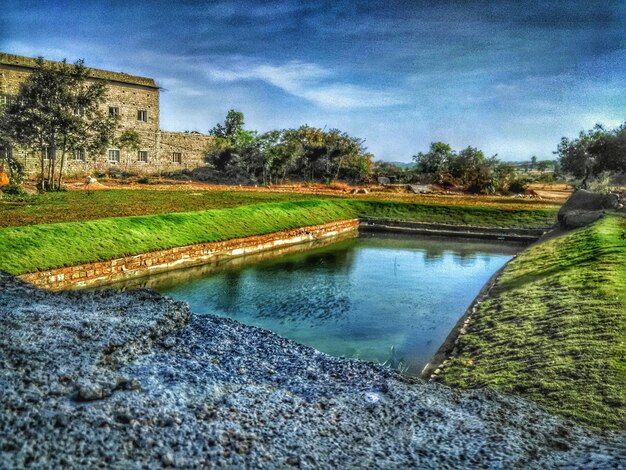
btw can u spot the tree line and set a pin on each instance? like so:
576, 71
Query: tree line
59, 111
306, 153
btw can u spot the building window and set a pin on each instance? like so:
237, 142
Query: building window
114, 111
114, 156
6, 100
177, 157
6, 153
79, 155
142, 156
142, 115
48, 153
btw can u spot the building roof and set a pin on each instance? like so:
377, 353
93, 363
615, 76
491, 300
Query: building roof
31, 63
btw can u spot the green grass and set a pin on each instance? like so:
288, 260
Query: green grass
43, 246
553, 329
73, 206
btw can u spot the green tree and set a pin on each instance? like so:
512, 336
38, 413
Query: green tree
533, 162
57, 111
130, 141
436, 162
593, 152
233, 125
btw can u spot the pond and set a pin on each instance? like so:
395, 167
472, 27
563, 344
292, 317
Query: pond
387, 299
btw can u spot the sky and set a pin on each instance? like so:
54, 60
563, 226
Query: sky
510, 77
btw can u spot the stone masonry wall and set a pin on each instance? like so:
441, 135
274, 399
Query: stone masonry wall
104, 272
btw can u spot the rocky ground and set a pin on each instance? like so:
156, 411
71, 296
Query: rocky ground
132, 380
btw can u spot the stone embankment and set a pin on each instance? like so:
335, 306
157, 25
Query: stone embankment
448, 230
133, 380
128, 267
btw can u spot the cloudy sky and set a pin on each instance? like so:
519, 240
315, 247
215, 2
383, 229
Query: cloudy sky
508, 76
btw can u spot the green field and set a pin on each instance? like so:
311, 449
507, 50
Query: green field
42, 246
72, 206
553, 329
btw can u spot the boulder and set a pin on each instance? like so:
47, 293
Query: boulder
576, 219
584, 207
383, 180
418, 188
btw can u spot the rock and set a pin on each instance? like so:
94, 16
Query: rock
360, 191
585, 207
418, 188
383, 180
88, 391
313, 411
580, 218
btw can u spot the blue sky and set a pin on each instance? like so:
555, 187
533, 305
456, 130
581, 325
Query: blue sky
508, 76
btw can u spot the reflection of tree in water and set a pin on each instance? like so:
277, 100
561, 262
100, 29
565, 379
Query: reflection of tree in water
229, 291
309, 288
465, 259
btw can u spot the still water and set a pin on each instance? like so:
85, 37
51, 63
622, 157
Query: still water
385, 299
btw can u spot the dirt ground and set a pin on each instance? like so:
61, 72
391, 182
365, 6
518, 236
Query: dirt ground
537, 195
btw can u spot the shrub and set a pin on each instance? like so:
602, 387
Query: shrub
144, 180
14, 189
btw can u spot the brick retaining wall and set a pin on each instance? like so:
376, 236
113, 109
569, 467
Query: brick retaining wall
104, 272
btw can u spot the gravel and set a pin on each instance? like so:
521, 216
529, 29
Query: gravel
107, 379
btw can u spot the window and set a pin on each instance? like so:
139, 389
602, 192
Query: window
79, 155
114, 156
177, 157
6, 100
142, 115
114, 111
142, 156
48, 153
6, 153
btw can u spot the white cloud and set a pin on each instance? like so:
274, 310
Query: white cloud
310, 82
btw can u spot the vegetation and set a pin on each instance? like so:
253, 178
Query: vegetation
36, 247
306, 153
594, 152
78, 205
57, 111
468, 168
553, 329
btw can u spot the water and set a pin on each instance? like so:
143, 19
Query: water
385, 299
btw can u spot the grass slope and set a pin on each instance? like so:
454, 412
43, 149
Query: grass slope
554, 328
37, 247
74, 206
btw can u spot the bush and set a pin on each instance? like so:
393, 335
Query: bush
518, 186
14, 189
144, 180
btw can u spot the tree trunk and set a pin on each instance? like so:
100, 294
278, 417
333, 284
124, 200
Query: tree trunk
62, 164
587, 174
42, 187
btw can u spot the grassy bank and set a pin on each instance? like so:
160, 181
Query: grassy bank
553, 329
73, 206
43, 246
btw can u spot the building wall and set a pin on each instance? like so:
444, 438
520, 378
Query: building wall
129, 94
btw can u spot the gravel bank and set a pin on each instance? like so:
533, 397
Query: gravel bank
132, 380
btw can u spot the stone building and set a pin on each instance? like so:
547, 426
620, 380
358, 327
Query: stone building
135, 100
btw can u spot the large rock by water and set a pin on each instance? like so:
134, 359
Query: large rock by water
585, 207
132, 380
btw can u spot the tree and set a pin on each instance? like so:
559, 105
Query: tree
593, 152
58, 110
533, 162
435, 162
130, 141
233, 125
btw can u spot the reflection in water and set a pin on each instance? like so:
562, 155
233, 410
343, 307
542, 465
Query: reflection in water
386, 299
